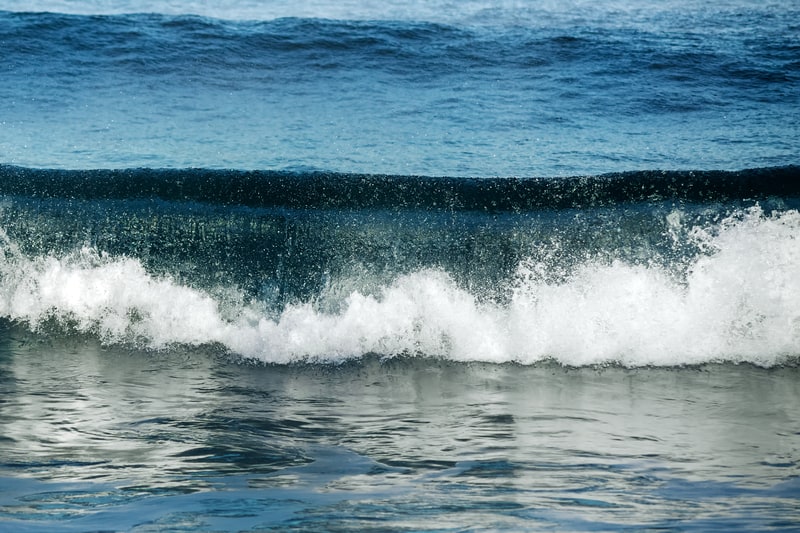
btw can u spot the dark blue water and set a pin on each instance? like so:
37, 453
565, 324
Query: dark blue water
521, 91
431, 267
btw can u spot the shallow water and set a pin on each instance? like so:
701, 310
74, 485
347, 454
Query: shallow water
110, 439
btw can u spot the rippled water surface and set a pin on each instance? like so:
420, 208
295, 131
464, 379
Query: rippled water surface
480, 88
97, 439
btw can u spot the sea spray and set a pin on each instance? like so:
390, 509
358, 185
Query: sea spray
736, 300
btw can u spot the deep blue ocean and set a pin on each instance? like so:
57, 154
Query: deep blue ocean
433, 266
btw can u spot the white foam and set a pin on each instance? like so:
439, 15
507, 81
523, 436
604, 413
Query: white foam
739, 301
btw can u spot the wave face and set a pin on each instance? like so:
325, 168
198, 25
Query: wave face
649, 268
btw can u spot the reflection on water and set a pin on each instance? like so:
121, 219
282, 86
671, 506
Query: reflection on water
190, 439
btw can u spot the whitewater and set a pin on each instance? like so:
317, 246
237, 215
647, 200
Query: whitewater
735, 302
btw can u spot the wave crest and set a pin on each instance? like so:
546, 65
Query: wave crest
735, 302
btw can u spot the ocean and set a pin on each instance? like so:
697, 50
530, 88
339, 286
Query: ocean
430, 266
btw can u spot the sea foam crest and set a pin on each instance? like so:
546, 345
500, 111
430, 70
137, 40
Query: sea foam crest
737, 301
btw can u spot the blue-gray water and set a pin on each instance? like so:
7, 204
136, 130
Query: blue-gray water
107, 439
432, 267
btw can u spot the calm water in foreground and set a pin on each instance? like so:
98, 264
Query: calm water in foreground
110, 439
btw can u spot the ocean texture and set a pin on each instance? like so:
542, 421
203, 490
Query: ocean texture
435, 266
510, 91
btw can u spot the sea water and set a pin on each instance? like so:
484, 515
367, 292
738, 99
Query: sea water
430, 267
